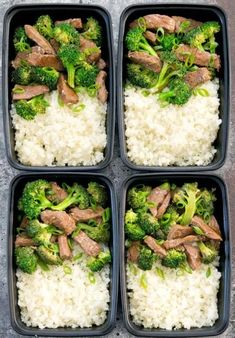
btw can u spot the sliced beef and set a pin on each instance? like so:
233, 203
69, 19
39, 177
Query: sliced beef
197, 77
24, 222
157, 196
65, 252
162, 209
90, 247
55, 45
213, 224
34, 35
155, 21
150, 36
149, 61
173, 243
76, 22
86, 44
208, 231
57, 194
101, 64
191, 23
102, 92
38, 49
179, 231
152, 244
29, 91
193, 255
86, 214
45, 60
22, 240
66, 93
201, 58
60, 219
21, 56
133, 252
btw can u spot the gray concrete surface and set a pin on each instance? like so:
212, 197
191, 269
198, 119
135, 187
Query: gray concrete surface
116, 171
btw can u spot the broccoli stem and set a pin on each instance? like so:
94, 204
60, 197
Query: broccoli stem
148, 48
64, 204
71, 75
190, 208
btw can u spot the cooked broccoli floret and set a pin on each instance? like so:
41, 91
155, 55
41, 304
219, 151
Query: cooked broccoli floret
208, 251
21, 41
28, 109
22, 75
85, 75
137, 197
179, 92
44, 25
131, 216
146, 258
45, 76
71, 57
26, 259
97, 264
135, 41
98, 193
134, 232
205, 204
141, 76
39, 232
148, 223
49, 255
93, 31
170, 218
174, 259
169, 41
99, 233
64, 33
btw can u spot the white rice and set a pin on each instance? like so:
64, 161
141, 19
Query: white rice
171, 135
55, 299
177, 301
62, 137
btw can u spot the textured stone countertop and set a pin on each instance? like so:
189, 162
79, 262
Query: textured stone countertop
116, 171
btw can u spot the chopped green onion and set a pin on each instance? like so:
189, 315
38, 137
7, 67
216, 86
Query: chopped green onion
92, 91
91, 277
160, 34
67, 269
198, 231
208, 272
143, 281
142, 23
17, 90
160, 273
77, 108
145, 92
201, 91
70, 243
133, 268
77, 257
106, 215
60, 101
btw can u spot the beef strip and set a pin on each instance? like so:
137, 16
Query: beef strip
24, 222
162, 209
197, 77
90, 247
194, 257
37, 59
34, 35
57, 193
201, 58
157, 196
173, 243
85, 214
29, 91
66, 93
149, 61
22, 240
180, 19
55, 45
213, 224
102, 92
101, 64
179, 231
21, 56
75, 22
150, 36
155, 21
65, 252
37, 49
152, 244
208, 231
133, 252
88, 44
60, 219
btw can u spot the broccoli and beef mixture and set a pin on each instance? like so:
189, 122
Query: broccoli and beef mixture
63, 55
173, 224
53, 217
171, 56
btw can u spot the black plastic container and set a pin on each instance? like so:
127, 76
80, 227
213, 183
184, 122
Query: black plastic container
15, 191
28, 13
197, 12
222, 215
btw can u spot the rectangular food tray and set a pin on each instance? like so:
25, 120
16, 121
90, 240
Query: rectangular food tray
27, 14
221, 213
15, 191
197, 12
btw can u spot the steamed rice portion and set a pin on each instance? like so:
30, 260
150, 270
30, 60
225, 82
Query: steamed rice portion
62, 136
55, 299
171, 135
175, 301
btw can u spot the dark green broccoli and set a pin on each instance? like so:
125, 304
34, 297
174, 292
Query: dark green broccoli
45, 76
44, 26
135, 41
134, 232
146, 258
28, 109
71, 58
148, 223
93, 31
65, 33
141, 76
174, 259
85, 75
170, 218
169, 41
22, 75
208, 252
49, 255
179, 92
137, 197
39, 232
21, 41
98, 193
205, 204
97, 264
99, 233
26, 259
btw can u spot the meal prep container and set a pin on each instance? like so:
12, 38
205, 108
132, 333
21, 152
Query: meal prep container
16, 187
22, 14
221, 213
197, 12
